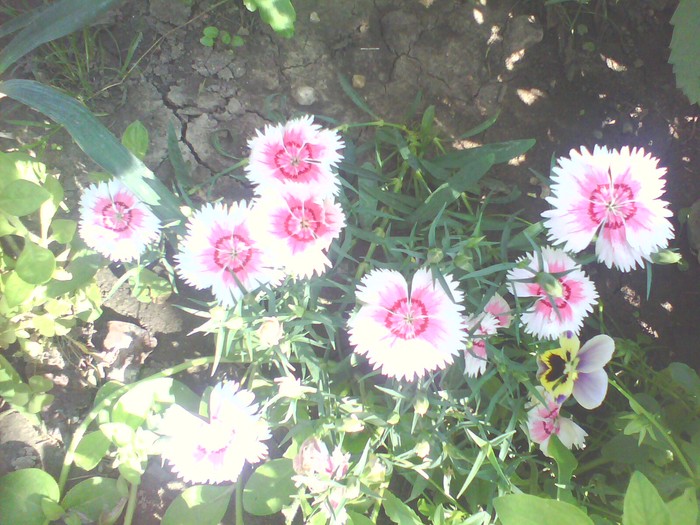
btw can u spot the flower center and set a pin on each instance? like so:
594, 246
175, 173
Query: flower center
116, 216
407, 319
302, 224
232, 253
293, 160
612, 204
561, 298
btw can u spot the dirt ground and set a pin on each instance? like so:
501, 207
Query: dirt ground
602, 78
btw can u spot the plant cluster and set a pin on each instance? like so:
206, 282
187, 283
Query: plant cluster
396, 351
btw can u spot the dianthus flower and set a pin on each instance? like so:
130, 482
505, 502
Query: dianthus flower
572, 369
559, 279
115, 222
615, 194
545, 420
293, 154
407, 334
315, 468
496, 315
221, 251
300, 227
214, 451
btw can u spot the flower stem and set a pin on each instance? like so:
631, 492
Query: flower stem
239, 503
109, 401
664, 431
131, 505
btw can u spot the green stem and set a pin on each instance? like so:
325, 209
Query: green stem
239, 503
665, 432
109, 401
131, 505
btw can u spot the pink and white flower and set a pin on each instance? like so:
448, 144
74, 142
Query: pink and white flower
407, 334
545, 420
316, 469
215, 451
222, 251
300, 226
115, 222
615, 194
292, 154
559, 279
496, 315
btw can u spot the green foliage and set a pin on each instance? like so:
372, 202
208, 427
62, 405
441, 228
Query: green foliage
212, 34
279, 14
270, 488
685, 48
29, 398
201, 504
523, 509
25, 495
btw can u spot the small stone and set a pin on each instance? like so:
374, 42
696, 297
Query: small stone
234, 107
358, 81
638, 63
313, 17
598, 134
304, 95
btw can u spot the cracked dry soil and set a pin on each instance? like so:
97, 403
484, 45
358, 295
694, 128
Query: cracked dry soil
610, 85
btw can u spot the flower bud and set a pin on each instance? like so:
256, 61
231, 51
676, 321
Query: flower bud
422, 449
435, 255
550, 284
464, 262
666, 257
421, 404
270, 332
352, 424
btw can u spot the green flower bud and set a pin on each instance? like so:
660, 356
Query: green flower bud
550, 284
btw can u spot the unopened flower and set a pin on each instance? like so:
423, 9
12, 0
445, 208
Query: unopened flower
115, 222
290, 387
270, 332
298, 227
298, 153
352, 424
221, 251
407, 334
572, 369
545, 420
614, 194
215, 451
499, 308
422, 449
563, 294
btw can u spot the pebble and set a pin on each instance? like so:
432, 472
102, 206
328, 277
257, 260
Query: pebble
304, 95
313, 17
358, 81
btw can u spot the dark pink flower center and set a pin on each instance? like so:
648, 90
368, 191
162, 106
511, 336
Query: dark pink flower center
613, 204
407, 319
293, 160
302, 224
116, 216
232, 253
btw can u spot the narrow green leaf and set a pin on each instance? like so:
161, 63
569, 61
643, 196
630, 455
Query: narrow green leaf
97, 142
21, 197
358, 519
355, 97
21, 496
59, 19
182, 172
399, 512
523, 509
685, 48
35, 265
269, 488
278, 14
135, 139
566, 465
201, 504
93, 497
643, 504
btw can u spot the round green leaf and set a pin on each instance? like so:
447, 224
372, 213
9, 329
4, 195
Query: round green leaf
93, 497
35, 264
21, 395
17, 290
40, 384
269, 488
63, 230
201, 504
21, 197
135, 139
91, 449
52, 510
21, 496
523, 509
39, 402
211, 31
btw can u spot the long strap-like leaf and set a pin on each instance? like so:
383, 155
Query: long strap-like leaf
98, 142
59, 19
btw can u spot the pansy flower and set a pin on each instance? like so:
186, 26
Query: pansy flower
544, 420
563, 294
407, 333
298, 226
614, 194
221, 251
298, 153
115, 222
578, 370
214, 451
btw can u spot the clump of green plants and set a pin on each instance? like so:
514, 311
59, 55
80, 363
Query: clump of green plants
212, 35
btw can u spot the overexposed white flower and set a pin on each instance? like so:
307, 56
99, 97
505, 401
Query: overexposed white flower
407, 334
316, 469
545, 420
215, 451
221, 251
614, 194
298, 153
298, 227
114, 222
559, 278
